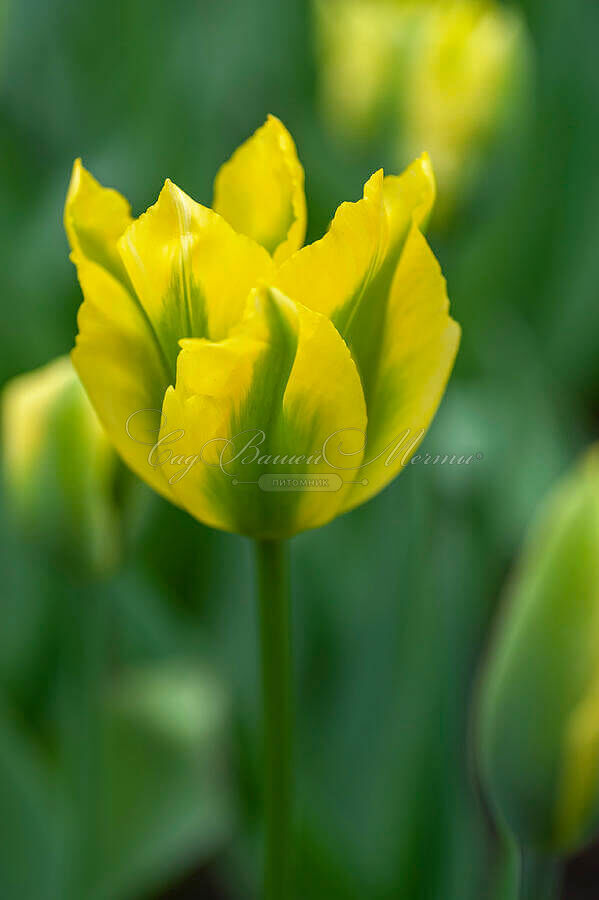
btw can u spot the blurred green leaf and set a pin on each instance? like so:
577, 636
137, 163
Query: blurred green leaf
164, 791
35, 825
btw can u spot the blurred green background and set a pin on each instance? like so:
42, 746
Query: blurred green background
129, 744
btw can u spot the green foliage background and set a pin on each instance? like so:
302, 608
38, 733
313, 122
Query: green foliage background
129, 747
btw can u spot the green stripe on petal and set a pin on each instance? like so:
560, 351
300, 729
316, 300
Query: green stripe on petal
331, 275
94, 218
416, 355
375, 277
260, 191
347, 274
263, 403
191, 271
121, 368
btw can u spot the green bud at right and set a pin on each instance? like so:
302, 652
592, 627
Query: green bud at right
538, 729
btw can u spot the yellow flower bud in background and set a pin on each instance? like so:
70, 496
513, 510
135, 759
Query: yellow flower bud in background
58, 465
539, 712
437, 74
360, 43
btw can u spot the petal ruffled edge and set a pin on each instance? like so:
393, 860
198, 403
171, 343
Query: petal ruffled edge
94, 219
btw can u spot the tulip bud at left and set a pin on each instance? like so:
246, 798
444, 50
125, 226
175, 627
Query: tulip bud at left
58, 466
539, 713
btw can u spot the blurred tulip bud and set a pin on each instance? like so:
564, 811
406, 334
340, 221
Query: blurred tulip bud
358, 44
539, 713
58, 466
445, 72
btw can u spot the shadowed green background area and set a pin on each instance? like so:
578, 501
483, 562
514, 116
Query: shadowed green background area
129, 746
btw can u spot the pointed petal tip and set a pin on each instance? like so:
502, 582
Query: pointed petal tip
170, 195
259, 190
77, 168
77, 173
172, 191
80, 176
426, 164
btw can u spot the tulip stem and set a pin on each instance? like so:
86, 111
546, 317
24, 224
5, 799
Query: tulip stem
507, 870
539, 877
273, 601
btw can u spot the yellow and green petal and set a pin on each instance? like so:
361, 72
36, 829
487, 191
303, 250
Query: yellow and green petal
95, 217
409, 199
252, 411
180, 317
375, 277
346, 275
191, 271
121, 367
260, 191
418, 348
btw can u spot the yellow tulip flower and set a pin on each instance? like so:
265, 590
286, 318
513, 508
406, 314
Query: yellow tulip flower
290, 383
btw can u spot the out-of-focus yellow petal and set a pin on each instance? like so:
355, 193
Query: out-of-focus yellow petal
26, 407
59, 466
456, 88
191, 271
95, 217
260, 190
121, 367
436, 74
419, 344
264, 403
358, 45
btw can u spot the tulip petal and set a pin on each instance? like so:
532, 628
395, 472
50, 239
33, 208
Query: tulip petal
191, 271
409, 198
347, 274
419, 344
95, 217
260, 191
121, 368
263, 403
375, 277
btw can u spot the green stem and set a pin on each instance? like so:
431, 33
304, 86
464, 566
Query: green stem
539, 877
273, 599
506, 873
85, 626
